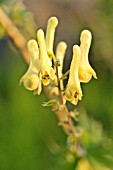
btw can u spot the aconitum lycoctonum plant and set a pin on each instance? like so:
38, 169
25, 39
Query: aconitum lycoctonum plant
45, 69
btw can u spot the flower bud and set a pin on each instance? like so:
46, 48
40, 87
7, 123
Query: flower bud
50, 33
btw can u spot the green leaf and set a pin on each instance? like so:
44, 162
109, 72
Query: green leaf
51, 103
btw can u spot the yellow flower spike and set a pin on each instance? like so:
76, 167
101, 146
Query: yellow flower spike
73, 91
47, 71
50, 32
85, 70
31, 79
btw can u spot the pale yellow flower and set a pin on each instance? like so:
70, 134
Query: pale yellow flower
85, 70
50, 33
73, 91
80, 70
31, 79
60, 53
47, 72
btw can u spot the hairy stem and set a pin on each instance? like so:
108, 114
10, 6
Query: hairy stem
63, 113
59, 86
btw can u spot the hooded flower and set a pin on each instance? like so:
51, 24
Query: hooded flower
50, 32
73, 91
41, 71
47, 72
31, 79
85, 70
60, 53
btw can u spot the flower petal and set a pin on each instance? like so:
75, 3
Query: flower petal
45, 63
31, 78
73, 92
85, 70
60, 53
50, 32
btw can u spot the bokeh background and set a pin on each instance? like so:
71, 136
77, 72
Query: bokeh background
30, 138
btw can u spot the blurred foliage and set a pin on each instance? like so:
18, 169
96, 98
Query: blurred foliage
29, 135
20, 16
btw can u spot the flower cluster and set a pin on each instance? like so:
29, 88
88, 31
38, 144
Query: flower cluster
46, 67
80, 69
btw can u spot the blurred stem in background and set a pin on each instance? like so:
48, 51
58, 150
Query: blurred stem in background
14, 33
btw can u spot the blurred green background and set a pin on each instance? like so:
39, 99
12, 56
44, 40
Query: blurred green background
30, 138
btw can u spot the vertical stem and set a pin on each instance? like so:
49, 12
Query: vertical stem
59, 87
67, 119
